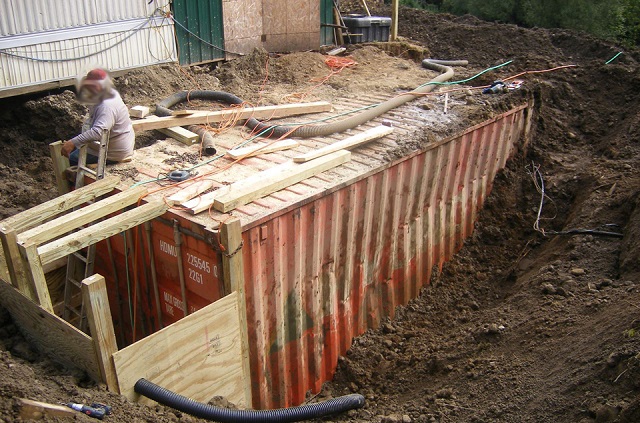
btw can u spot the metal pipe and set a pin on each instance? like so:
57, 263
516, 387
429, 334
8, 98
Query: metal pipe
177, 237
154, 275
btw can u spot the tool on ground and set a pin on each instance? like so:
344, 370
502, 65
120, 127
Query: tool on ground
97, 413
497, 87
179, 175
107, 408
80, 264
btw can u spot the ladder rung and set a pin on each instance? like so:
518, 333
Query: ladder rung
72, 310
87, 170
80, 257
76, 283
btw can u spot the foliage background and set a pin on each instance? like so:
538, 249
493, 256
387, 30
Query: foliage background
611, 19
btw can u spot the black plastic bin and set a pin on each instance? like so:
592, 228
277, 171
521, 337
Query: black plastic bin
366, 29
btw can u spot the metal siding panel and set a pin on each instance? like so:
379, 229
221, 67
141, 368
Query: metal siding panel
325, 272
144, 48
203, 18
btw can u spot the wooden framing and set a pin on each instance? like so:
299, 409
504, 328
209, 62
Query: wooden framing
71, 243
262, 112
271, 180
202, 355
395, 6
178, 133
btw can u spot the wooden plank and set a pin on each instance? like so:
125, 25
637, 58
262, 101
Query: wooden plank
36, 410
60, 165
262, 112
346, 144
233, 274
100, 231
395, 5
199, 356
204, 202
35, 275
192, 190
262, 148
49, 333
138, 111
276, 178
81, 217
4, 270
96, 302
13, 262
45, 211
178, 133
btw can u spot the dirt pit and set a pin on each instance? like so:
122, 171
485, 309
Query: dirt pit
524, 324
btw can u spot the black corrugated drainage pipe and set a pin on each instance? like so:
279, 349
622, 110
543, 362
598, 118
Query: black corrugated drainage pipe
317, 130
224, 415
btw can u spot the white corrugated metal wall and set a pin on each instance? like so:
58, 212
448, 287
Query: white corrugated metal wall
52, 41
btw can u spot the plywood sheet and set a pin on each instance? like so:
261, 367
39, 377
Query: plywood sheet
200, 356
49, 333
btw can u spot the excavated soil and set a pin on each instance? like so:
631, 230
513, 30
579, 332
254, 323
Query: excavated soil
522, 325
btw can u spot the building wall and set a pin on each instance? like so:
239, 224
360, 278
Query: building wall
275, 25
47, 43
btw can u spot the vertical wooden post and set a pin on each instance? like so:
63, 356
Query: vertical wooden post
96, 302
395, 4
60, 165
35, 275
338, 30
13, 262
233, 274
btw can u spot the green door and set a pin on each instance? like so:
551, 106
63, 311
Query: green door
199, 30
326, 17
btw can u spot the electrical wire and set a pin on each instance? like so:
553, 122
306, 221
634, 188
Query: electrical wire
613, 58
538, 182
184, 28
132, 32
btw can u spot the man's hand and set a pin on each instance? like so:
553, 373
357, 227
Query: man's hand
67, 148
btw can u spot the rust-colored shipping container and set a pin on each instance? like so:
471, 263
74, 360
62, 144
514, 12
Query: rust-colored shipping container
323, 260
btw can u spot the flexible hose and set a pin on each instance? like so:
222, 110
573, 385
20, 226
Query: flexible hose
324, 129
224, 415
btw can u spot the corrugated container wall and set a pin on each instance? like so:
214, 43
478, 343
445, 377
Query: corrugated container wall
319, 275
53, 41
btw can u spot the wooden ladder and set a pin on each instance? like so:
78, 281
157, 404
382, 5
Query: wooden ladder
80, 263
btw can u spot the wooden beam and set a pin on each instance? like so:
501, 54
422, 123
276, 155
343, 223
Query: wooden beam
36, 410
274, 179
178, 133
198, 356
138, 111
96, 302
366, 8
100, 231
35, 276
81, 217
192, 190
41, 213
346, 144
395, 6
13, 261
60, 165
338, 28
49, 333
233, 274
205, 201
262, 112
262, 148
